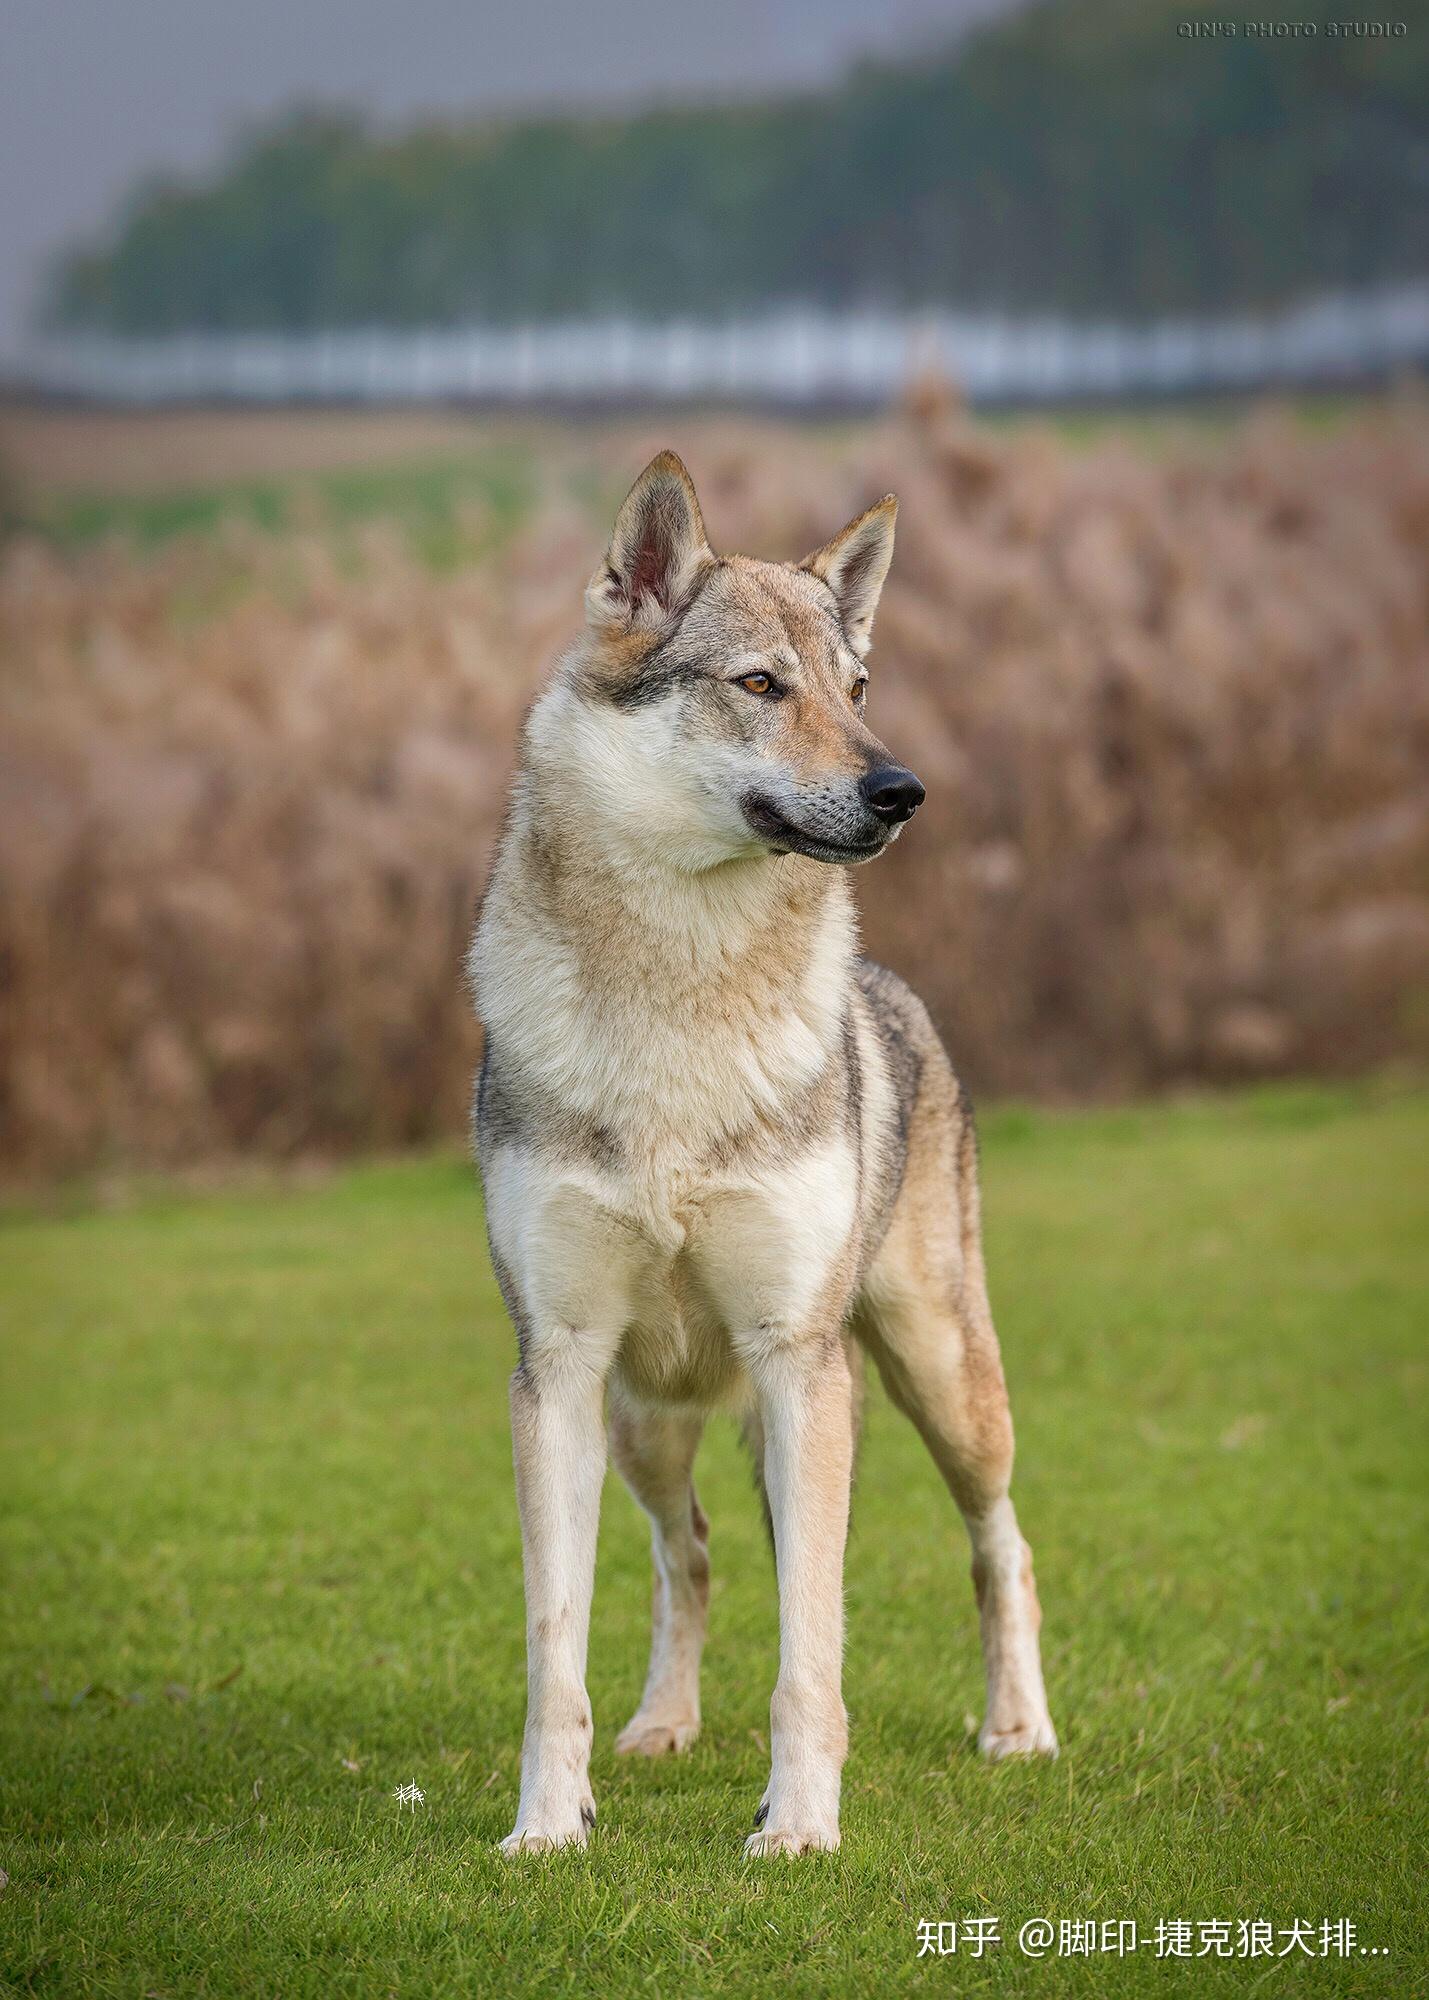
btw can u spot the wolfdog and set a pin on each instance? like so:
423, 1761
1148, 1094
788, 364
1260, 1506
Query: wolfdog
720, 1150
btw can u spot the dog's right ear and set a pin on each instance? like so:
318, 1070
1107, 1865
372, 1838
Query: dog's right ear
657, 552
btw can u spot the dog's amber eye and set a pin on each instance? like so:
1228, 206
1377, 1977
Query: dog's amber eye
757, 684
860, 693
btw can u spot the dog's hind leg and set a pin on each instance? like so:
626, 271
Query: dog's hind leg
751, 1429
925, 1318
655, 1450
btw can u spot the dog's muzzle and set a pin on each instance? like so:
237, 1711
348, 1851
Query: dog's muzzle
891, 793
857, 832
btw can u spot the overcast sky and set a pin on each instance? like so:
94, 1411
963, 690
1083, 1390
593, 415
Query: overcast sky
96, 93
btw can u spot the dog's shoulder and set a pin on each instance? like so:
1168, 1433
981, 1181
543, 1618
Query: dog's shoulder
914, 1058
902, 1024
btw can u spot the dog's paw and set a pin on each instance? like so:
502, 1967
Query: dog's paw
1025, 1739
545, 1832
792, 1840
649, 1736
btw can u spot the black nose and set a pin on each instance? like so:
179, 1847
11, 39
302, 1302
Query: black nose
893, 793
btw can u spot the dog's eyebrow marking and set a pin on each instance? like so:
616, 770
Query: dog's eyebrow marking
830, 619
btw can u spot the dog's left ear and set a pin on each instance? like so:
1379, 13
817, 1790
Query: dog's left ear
854, 565
657, 552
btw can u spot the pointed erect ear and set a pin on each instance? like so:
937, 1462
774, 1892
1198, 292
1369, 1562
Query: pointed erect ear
657, 551
854, 565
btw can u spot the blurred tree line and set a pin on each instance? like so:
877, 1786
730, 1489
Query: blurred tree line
1088, 156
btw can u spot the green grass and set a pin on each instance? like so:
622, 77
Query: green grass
262, 1566
458, 507
449, 510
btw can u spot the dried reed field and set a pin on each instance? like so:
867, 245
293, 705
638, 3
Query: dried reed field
1170, 701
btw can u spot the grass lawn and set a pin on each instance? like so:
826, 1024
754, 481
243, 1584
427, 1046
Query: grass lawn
450, 510
261, 1563
452, 487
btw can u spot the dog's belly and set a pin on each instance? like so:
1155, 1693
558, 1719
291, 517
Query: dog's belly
689, 1272
676, 1348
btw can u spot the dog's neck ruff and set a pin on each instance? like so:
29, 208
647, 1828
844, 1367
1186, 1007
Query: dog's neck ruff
672, 1004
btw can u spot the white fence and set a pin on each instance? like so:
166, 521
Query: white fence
791, 356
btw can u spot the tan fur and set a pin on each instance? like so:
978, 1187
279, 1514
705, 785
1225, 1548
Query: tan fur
716, 1146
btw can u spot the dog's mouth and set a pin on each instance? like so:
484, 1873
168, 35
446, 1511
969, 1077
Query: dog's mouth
784, 837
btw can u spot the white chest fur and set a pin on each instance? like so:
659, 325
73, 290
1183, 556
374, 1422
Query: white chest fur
673, 1010
674, 1013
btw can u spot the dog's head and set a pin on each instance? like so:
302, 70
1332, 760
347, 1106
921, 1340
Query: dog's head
723, 698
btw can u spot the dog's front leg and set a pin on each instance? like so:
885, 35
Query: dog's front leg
558, 1433
806, 1407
